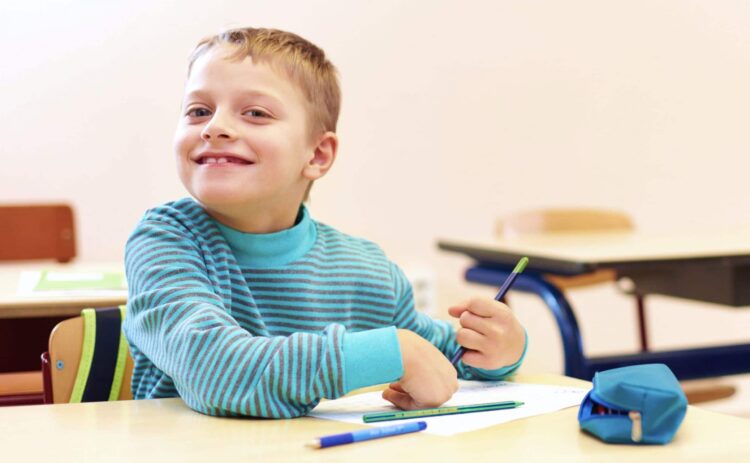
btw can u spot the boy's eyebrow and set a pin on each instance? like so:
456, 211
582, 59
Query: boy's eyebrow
259, 94
249, 93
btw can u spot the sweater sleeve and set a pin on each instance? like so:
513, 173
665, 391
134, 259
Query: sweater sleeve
439, 332
179, 324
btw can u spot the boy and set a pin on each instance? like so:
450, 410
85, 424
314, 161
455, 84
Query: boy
239, 302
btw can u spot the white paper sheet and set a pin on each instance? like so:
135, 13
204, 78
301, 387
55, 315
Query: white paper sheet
538, 399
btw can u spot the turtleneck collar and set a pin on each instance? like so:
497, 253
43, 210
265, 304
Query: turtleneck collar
258, 250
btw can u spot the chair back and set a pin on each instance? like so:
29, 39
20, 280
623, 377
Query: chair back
563, 220
89, 359
35, 232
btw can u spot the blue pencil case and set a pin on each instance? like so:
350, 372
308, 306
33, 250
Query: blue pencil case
640, 404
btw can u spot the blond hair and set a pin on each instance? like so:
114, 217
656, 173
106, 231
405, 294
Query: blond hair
303, 63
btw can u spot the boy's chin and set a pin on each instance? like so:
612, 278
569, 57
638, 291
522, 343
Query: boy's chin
221, 199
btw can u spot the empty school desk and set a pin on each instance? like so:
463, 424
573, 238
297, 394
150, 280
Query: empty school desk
711, 268
25, 305
26, 318
167, 430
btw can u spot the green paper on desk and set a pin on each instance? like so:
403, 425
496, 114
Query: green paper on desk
55, 280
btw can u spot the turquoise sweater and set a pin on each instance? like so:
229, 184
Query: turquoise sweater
265, 324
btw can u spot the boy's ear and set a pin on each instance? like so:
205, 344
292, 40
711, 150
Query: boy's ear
324, 153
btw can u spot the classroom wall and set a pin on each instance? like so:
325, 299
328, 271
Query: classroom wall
454, 114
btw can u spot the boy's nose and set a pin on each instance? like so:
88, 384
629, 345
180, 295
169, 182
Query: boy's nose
217, 128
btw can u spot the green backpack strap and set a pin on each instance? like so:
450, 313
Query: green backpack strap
103, 356
122, 357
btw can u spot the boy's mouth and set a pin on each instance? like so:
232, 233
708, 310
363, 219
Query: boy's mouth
221, 158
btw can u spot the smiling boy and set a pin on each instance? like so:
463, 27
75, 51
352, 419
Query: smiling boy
240, 302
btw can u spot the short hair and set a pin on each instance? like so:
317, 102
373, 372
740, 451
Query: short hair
304, 64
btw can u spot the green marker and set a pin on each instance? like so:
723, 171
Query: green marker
520, 266
440, 411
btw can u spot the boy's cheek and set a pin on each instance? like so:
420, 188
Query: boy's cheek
185, 138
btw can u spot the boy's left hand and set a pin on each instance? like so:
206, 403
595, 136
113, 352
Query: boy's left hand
490, 333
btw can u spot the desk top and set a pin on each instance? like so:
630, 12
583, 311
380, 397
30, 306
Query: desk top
574, 253
166, 430
14, 305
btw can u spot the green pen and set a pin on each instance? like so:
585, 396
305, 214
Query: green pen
440, 411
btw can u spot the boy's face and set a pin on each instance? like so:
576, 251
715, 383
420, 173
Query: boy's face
243, 143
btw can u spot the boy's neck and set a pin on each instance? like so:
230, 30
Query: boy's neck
257, 220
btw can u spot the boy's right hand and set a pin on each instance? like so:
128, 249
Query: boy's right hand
429, 378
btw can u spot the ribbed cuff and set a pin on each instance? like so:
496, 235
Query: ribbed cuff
371, 357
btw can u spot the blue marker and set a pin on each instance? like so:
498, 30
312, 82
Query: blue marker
367, 434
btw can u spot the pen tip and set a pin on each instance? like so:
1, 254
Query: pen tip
313, 444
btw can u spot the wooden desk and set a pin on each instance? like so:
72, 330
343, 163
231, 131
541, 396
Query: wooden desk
27, 320
166, 430
13, 305
710, 267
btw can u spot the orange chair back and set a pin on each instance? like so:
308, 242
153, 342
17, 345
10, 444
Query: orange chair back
65, 348
35, 232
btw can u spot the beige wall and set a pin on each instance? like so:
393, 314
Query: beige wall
454, 113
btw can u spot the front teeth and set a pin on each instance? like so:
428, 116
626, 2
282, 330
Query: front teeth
215, 161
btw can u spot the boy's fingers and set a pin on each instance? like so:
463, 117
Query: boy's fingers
396, 386
459, 308
483, 308
479, 307
469, 339
475, 323
456, 311
400, 399
487, 308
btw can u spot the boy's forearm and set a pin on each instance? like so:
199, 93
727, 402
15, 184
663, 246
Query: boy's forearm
219, 369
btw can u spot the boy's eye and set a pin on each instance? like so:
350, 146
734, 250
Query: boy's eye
199, 112
256, 113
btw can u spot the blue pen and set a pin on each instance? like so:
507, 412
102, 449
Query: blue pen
500, 294
367, 434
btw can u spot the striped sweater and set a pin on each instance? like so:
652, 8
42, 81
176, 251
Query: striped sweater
265, 324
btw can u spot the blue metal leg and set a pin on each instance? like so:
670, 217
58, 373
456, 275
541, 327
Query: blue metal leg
529, 282
686, 363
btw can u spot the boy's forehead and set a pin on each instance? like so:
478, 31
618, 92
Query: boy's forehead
220, 65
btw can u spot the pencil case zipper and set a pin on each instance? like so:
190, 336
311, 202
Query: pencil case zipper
635, 417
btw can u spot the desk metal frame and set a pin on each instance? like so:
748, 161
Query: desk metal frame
686, 363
